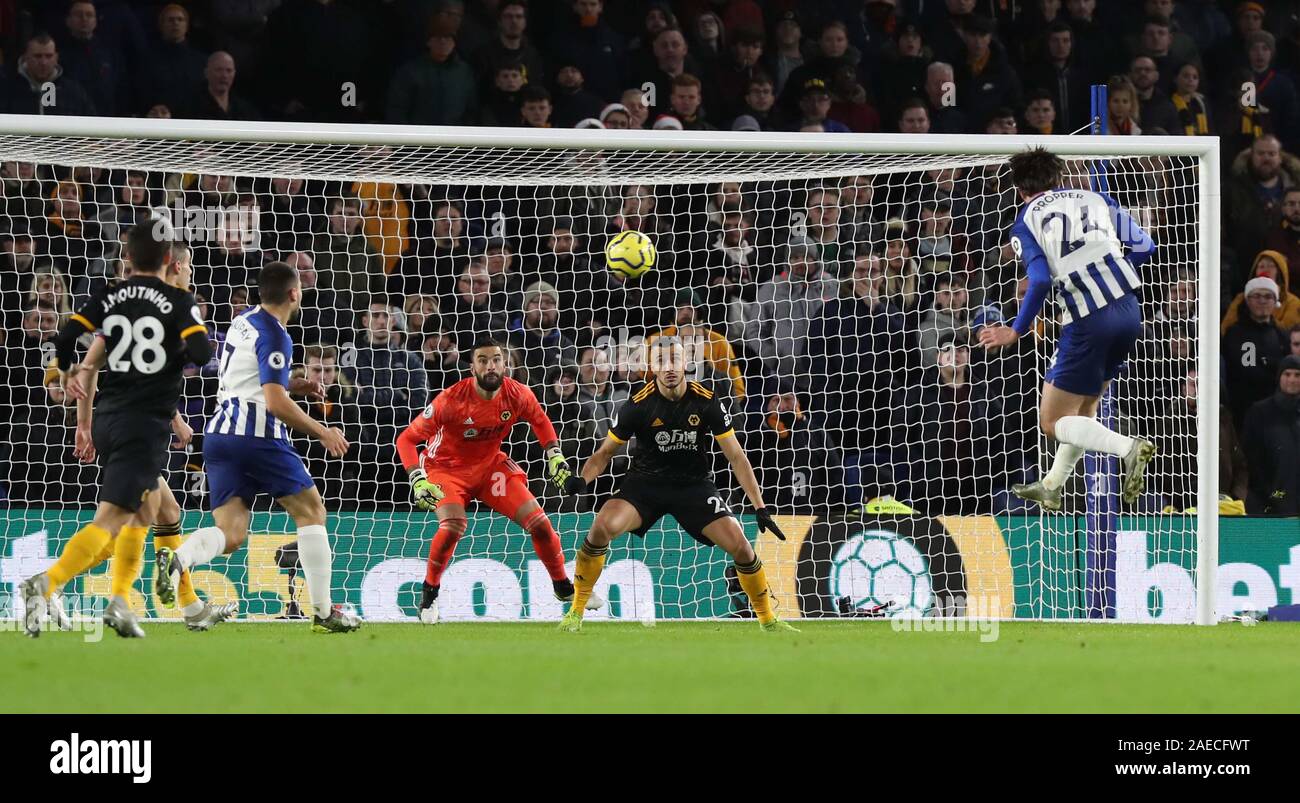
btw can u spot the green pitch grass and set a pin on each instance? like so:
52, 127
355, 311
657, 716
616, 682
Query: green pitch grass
688, 667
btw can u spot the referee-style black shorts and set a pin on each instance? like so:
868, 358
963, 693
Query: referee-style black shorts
694, 505
132, 451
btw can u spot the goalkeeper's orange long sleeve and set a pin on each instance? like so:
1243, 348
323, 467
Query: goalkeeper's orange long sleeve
408, 447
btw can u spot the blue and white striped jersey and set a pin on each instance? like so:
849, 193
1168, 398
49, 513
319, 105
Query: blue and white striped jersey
1072, 241
256, 351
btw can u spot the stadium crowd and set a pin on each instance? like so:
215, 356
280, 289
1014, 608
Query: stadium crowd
837, 316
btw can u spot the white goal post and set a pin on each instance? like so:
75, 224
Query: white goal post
848, 208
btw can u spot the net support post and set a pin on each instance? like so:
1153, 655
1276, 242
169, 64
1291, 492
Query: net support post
1101, 520
1207, 389
1101, 471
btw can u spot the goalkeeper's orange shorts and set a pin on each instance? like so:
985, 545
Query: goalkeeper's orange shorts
499, 483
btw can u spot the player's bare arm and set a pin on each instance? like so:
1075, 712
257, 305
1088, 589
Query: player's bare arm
83, 444
997, 336
744, 472
79, 380
307, 388
182, 430
283, 408
599, 461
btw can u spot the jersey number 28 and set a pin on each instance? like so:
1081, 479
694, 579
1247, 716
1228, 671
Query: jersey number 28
143, 338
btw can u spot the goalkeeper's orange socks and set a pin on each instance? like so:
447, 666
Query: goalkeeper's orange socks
586, 571
546, 543
440, 549
169, 536
754, 580
78, 556
128, 554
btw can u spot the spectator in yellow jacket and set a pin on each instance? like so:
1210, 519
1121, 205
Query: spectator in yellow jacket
1273, 265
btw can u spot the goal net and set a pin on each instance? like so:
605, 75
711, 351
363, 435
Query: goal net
829, 291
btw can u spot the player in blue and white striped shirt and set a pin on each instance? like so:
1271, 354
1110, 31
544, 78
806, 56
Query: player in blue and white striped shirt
255, 352
1084, 247
246, 450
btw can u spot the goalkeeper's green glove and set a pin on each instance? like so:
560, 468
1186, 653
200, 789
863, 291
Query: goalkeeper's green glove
766, 524
557, 469
427, 494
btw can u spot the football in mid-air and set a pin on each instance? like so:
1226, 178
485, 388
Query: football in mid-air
630, 254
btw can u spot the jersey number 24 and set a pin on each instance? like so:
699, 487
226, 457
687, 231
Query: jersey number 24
1069, 246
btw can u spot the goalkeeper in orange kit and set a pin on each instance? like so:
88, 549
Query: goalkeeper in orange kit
462, 430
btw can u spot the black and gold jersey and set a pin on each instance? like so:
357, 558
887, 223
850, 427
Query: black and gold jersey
146, 323
672, 437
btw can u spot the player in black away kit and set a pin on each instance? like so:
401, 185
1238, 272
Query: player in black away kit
151, 330
673, 420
